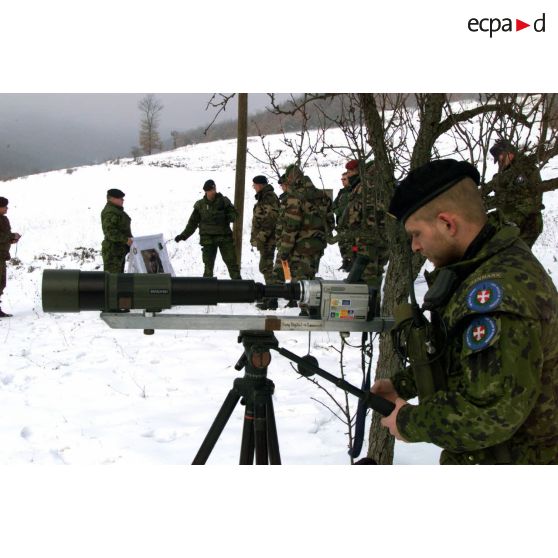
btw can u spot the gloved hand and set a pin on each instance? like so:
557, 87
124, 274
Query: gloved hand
177, 238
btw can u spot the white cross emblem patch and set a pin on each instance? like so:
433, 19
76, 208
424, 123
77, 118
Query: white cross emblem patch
479, 332
484, 296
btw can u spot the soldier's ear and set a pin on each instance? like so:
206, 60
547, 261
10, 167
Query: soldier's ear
447, 221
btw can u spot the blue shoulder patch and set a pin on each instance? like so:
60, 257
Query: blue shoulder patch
480, 333
485, 296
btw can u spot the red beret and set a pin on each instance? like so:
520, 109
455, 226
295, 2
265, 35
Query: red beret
352, 165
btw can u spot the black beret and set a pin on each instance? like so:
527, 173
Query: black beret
208, 185
260, 179
3, 201
426, 183
115, 193
501, 146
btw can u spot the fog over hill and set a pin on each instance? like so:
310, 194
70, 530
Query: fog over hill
41, 132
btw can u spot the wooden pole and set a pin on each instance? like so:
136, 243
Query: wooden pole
240, 180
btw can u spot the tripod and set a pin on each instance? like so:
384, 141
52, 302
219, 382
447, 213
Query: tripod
259, 433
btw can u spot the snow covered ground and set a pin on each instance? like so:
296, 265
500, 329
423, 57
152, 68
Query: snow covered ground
74, 391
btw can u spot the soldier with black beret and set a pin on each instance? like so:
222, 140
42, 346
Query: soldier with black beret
495, 326
117, 232
7, 238
213, 215
262, 237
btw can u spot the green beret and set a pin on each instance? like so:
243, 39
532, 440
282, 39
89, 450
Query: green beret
426, 183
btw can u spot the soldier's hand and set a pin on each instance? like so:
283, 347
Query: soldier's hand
390, 421
284, 257
130, 241
177, 238
385, 389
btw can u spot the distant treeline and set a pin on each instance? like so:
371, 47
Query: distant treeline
268, 122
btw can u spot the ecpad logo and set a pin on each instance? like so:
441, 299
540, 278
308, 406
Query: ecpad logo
494, 24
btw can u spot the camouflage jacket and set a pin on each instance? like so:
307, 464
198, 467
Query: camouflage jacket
340, 204
212, 217
264, 218
307, 221
363, 222
500, 357
116, 224
516, 190
6, 237
280, 217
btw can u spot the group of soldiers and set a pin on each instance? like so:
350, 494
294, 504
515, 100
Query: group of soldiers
292, 230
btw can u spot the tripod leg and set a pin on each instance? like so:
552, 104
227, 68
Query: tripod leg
247, 443
217, 427
260, 430
272, 438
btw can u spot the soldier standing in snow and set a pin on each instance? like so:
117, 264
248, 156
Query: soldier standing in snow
116, 228
7, 238
213, 215
264, 223
339, 205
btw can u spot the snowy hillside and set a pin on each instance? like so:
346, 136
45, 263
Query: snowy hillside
74, 391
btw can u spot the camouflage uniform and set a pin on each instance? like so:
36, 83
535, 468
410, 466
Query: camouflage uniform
344, 241
6, 240
213, 219
517, 195
364, 224
264, 222
277, 276
306, 224
500, 357
116, 228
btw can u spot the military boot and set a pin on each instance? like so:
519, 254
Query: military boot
4, 314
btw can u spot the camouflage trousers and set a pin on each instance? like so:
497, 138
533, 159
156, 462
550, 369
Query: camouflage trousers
114, 256
2, 276
267, 255
302, 266
225, 245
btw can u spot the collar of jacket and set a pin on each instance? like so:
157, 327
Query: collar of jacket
496, 235
354, 181
218, 196
114, 206
265, 190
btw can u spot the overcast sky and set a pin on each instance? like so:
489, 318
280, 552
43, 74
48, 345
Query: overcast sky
42, 131
182, 111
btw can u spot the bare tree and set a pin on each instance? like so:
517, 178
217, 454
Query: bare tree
149, 139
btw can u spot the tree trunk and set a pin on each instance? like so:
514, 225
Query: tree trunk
398, 277
241, 146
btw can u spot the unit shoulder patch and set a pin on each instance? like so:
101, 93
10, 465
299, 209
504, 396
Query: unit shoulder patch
485, 296
480, 333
